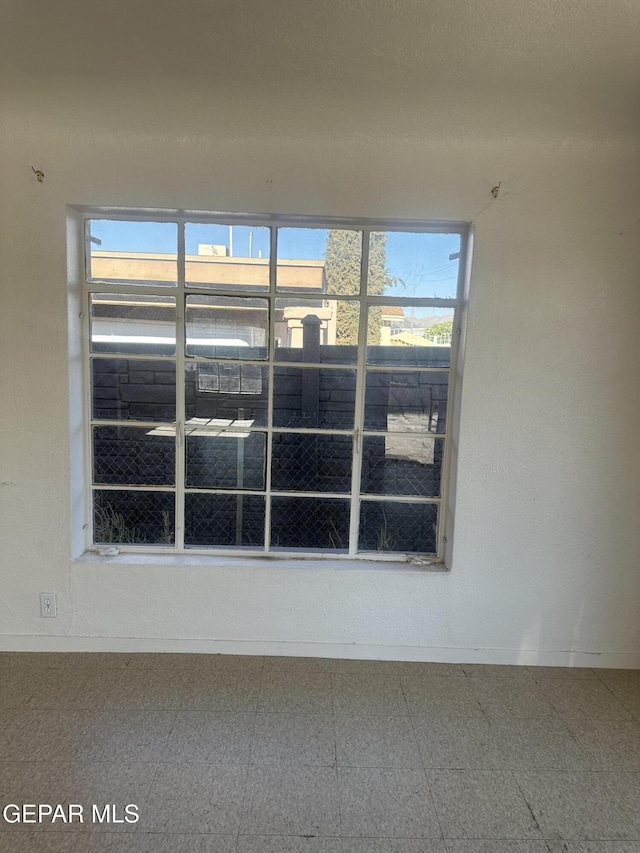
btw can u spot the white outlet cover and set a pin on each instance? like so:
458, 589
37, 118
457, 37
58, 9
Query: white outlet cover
48, 605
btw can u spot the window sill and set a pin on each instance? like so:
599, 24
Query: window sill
142, 560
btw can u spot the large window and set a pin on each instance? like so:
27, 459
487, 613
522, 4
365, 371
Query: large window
263, 385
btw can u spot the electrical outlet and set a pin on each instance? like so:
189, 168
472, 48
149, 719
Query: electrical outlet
48, 604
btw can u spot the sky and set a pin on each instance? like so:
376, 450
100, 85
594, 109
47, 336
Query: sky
419, 263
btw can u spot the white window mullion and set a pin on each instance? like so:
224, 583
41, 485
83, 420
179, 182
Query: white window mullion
132, 487
443, 511
88, 408
180, 394
452, 414
132, 288
359, 407
130, 356
273, 269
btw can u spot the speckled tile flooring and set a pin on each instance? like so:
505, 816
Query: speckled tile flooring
227, 754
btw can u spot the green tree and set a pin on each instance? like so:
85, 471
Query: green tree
445, 328
342, 272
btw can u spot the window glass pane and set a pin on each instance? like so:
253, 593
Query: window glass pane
224, 520
133, 517
133, 252
317, 330
398, 526
133, 389
311, 463
315, 260
398, 464
227, 327
310, 523
133, 323
311, 397
232, 394
400, 401
413, 265
409, 336
219, 458
229, 257
134, 456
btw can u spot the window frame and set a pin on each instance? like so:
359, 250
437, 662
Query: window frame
445, 501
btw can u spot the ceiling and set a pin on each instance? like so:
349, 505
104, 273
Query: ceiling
372, 65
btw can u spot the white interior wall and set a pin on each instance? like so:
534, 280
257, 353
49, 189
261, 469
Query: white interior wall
545, 563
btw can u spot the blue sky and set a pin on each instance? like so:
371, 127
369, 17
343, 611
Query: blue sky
419, 262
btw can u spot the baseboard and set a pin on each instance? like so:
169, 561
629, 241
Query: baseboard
530, 657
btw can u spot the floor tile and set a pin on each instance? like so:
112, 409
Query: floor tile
197, 796
408, 669
627, 691
609, 744
365, 694
187, 663
28, 841
153, 690
462, 744
393, 845
609, 676
220, 691
32, 660
582, 699
371, 668
94, 660
481, 804
16, 691
157, 661
376, 742
46, 735
173, 843
594, 847
63, 688
104, 782
386, 803
7, 715
511, 698
459, 846
625, 787
125, 735
296, 664
236, 664
580, 672
291, 801
537, 745
209, 736
439, 696
226, 663
26, 782
305, 739
575, 806
484, 670
282, 692
287, 844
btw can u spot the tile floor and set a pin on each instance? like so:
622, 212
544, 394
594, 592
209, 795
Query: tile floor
226, 754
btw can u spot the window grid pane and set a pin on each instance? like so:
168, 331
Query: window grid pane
301, 387
127, 389
133, 517
137, 324
134, 456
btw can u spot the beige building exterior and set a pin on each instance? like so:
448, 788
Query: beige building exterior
207, 269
